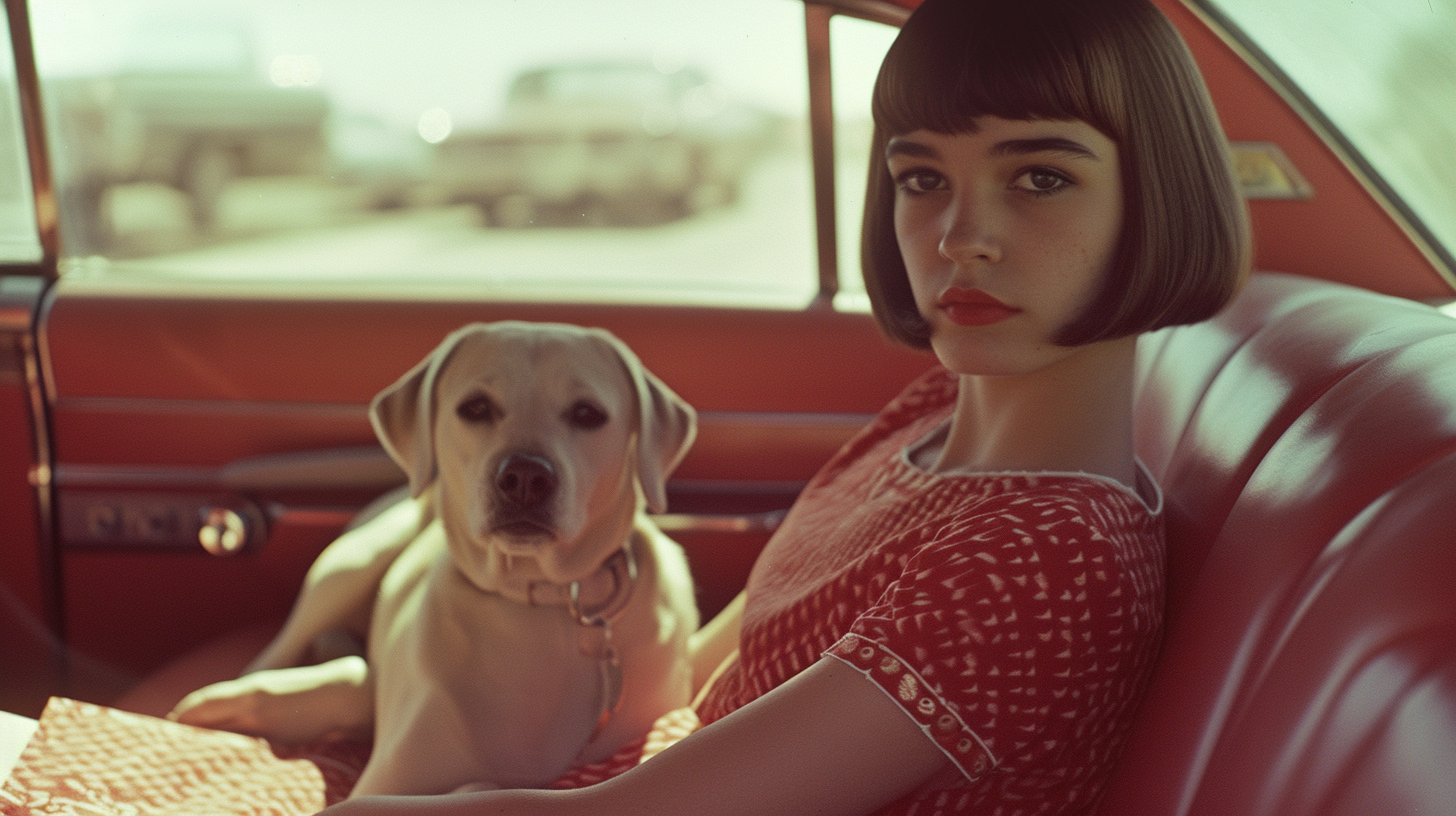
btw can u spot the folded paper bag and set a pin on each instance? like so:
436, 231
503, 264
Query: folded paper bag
89, 759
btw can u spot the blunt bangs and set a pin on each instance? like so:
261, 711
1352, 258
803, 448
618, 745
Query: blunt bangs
961, 61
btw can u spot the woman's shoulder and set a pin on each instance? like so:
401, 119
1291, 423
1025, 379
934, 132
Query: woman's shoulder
1030, 506
1143, 499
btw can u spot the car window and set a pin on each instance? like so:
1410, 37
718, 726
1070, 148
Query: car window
19, 240
638, 150
1385, 76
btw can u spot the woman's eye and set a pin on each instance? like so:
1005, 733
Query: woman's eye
478, 408
920, 181
1041, 180
586, 416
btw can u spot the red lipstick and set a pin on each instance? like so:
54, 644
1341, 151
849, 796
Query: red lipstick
972, 307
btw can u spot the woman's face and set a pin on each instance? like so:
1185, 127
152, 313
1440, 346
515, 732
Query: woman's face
1007, 233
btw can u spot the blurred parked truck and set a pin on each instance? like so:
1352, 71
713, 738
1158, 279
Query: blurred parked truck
195, 130
603, 144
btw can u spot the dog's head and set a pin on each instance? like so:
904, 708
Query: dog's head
544, 438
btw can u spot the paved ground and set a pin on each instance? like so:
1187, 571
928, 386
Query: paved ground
757, 250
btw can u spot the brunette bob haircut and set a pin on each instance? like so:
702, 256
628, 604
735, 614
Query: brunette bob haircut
1118, 65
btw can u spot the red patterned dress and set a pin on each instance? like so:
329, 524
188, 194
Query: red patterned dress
1013, 616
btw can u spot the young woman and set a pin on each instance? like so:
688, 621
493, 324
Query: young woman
961, 612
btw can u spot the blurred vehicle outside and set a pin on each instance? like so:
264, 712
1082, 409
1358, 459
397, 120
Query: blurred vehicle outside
185, 107
384, 162
604, 143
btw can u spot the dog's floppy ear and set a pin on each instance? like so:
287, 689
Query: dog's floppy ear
667, 426
403, 415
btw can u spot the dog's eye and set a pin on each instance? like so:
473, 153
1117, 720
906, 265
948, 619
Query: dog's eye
478, 408
586, 416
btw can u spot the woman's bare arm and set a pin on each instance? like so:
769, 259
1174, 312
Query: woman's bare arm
712, 644
826, 742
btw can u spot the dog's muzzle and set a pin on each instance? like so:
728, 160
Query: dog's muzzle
525, 487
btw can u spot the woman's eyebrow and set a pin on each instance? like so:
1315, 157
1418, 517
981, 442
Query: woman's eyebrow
899, 146
1050, 144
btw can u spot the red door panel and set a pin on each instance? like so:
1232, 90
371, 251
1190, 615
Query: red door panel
165, 404
29, 665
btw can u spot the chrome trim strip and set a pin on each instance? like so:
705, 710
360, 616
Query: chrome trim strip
1425, 242
682, 523
131, 476
32, 333
22, 300
365, 467
699, 523
784, 418
817, 14
219, 407
350, 411
311, 516
821, 140
27, 77
352, 468
876, 11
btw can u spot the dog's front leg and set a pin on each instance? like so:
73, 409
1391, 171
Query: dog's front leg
333, 700
340, 589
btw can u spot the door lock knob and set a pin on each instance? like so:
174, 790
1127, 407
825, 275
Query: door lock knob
223, 532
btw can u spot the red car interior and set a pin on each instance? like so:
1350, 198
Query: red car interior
1306, 443
1305, 440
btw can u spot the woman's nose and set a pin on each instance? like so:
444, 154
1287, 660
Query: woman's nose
970, 233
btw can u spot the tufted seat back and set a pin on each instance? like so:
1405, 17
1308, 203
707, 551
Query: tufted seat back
1306, 442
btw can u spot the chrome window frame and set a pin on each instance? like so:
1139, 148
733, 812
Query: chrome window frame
22, 46
21, 305
817, 17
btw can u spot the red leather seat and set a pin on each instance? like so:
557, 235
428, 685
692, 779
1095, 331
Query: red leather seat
1306, 442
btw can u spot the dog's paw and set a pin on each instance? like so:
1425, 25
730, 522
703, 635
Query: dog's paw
332, 700
230, 706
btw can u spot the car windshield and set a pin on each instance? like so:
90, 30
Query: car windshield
1385, 75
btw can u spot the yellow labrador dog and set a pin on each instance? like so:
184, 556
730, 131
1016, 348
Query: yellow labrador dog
522, 614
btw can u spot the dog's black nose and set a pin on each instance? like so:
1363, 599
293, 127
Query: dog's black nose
525, 481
